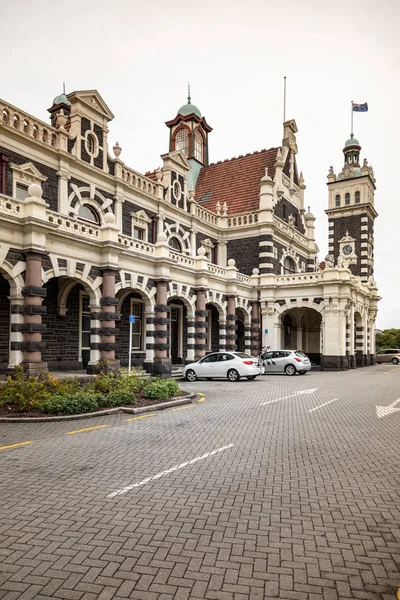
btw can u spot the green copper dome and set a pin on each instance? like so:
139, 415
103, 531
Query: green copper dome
352, 141
188, 109
61, 99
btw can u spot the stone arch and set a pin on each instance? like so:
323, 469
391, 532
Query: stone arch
216, 299
13, 274
68, 282
301, 329
177, 231
289, 253
282, 306
141, 301
181, 294
102, 205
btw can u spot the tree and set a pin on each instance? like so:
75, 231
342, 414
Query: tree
389, 338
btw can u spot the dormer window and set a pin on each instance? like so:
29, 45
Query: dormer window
357, 197
182, 141
198, 146
347, 198
289, 266
21, 191
337, 200
87, 213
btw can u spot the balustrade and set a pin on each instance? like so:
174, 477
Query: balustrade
139, 181
138, 245
28, 125
73, 226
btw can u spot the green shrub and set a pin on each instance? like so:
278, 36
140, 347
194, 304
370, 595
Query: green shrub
104, 383
72, 404
23, 393
131, 382
161, 389
118, 398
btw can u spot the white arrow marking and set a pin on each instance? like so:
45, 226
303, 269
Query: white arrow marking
382, 411
321, 405
311, 391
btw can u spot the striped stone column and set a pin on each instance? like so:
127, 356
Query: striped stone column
149, 359
16, 356
95, 338
365, 268
191, 329
266, 254
33, 311
162, 360
108, 317
231, 326
255, 328
222, 335
200, 324
359, 344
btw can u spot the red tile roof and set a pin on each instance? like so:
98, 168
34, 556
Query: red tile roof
235, 181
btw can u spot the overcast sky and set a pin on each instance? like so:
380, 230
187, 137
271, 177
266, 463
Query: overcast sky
140, 55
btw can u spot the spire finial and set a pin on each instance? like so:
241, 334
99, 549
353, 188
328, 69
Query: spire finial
189, 97
63, 87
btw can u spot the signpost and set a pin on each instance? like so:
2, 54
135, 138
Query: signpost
266, 337
131, 320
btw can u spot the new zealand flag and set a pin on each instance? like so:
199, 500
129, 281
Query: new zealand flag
360, 107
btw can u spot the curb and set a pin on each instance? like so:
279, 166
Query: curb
101, 413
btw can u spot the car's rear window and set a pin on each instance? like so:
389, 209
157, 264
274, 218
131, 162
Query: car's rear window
243, 355
300, 353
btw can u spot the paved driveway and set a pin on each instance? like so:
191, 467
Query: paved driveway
283, 487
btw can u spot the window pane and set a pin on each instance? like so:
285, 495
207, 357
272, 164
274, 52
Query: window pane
138, 234
182, 141
85, 340
88, 213
21, 192
136, 341
137, 309
85, 323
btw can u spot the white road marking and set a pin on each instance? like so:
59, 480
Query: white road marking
382, 411
167, 471
311, 391
321, 405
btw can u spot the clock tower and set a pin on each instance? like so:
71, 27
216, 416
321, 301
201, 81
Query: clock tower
351, 213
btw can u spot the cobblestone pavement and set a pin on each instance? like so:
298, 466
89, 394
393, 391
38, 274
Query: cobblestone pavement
282, 487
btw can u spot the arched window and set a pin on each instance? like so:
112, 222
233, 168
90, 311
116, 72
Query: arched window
337, 200
198, 146
357, 197
289, 266
88, 213
347, 198
182, 141
175, 244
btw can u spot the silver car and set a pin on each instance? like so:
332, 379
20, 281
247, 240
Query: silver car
286, 361
388, 356
232, 365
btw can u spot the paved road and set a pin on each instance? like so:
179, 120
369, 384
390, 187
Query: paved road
283, 487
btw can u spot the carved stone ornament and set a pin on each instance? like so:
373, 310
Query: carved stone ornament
291, 220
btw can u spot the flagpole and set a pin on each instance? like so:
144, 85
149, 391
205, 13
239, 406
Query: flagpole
352, 118
284, 99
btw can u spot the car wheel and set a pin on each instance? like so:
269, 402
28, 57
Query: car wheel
191, 375
290, 370
251, 377
233, 375
395, 361
302, 372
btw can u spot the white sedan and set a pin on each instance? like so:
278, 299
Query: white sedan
232, 365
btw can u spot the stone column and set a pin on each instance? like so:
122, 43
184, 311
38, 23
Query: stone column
200, 325
162, 360
255, 328
222, 255
63, 204
33, 310
95, 338
193, 241
16, 336
222, 335
299, 338
372, 341
366, 335
231, 326
108, 317
149, 360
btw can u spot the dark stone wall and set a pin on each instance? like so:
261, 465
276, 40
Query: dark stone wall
14, 255
62, 333
283, 209
127, 209
4, 322
214, 327
245, 252
49, 187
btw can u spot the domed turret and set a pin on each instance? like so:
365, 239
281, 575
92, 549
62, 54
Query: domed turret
60, 102
351, 151
61, 99
189, 109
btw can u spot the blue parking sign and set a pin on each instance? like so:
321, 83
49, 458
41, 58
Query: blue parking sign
131, 318
266, 331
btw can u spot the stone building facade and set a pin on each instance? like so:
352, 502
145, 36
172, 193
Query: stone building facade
205, 256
